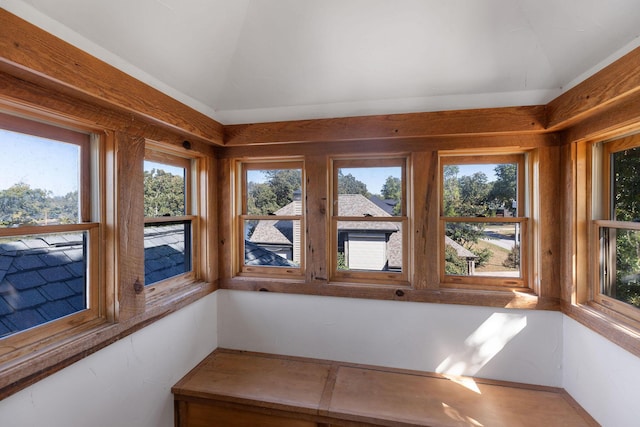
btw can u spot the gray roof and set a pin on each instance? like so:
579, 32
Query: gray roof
42, 278
164, 254
461, 251
386, 204
277, 231
255, 255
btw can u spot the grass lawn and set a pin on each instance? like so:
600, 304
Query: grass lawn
495, 262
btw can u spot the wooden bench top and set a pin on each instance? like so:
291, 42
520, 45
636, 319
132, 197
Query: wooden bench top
331, 392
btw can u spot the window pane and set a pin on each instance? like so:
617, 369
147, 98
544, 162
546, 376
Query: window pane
167, 250
273, 243
482, 249
39, 180
480, 190
370, 191
42, 278
164, 190
625, 286
626, 185
369, 246
274, 192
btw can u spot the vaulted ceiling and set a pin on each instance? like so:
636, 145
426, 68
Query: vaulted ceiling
243, 61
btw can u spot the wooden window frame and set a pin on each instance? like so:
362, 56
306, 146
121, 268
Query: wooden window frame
23, 343
369, 277
487, 282
242, 167
168, 155
602, 252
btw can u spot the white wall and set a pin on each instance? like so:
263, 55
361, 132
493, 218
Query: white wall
512, 345
602, 377
125, 384
129, 382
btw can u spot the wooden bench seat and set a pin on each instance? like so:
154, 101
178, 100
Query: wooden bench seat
240, 389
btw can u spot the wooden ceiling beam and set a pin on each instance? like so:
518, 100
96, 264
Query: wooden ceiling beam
611, 85
491, 121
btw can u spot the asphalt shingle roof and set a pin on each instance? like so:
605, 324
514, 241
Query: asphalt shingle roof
43, 278
255, 255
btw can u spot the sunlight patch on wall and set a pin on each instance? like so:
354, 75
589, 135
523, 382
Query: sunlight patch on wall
480, 347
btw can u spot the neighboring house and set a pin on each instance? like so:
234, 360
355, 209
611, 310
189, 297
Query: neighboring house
367, 245
282, 237
43, 278
370, 245
255, 255
463, 253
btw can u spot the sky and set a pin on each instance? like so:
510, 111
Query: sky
487, 169
38, 162
374, 178
42, 164
173, 170
54, 167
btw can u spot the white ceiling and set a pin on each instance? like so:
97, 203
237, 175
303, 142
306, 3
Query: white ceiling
242, 61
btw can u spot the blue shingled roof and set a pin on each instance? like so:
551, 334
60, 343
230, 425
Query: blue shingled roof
164, 252
42, 278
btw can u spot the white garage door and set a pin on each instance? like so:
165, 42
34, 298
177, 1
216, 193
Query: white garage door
367, 251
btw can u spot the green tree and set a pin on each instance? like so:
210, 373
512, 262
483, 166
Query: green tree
454, 265
348, 184
261, 200
278, 191
392, 190
451, 196
474, 190
505, 187
164, 194
466, 196
65, 208
626, 207
22, 205
283, 183
513, 258
626, 185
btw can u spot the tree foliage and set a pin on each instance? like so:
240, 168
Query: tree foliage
454, 265
392, 190
474, 196
348, 184
22, 205
276, 192
504, 190
164, 194
626, 207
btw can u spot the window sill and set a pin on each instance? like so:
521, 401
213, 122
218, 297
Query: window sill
23, 371
615, 327
478, 297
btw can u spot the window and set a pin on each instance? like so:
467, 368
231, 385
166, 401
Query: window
617, 203
483, 228
369, 220
169, 216
271, 226
48, 234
